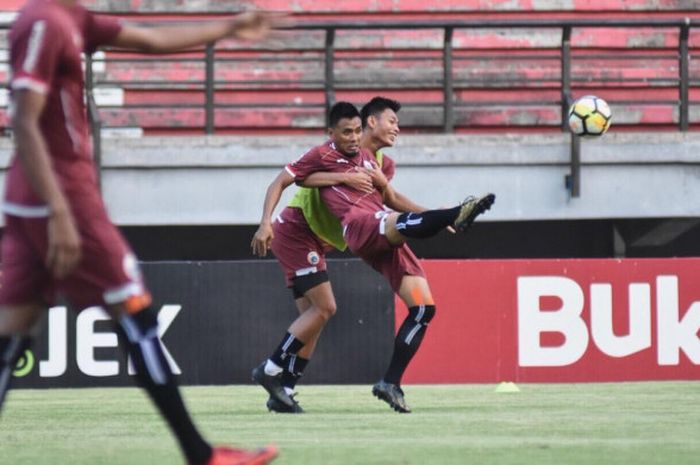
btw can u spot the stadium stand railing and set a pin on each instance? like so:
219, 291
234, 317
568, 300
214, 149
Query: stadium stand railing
461, 76
510, 75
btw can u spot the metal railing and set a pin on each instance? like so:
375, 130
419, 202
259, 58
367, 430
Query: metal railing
330, 85
572, 181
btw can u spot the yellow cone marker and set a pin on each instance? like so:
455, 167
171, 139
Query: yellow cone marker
507, 386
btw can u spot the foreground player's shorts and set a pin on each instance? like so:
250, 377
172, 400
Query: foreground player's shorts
108, 272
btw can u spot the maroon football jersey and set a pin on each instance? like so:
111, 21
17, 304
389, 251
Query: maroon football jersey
46, 42
343, 201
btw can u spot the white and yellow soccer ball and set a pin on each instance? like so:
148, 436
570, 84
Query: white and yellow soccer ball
589, 116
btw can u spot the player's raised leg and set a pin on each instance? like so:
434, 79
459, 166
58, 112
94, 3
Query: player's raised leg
400, 226
472, 207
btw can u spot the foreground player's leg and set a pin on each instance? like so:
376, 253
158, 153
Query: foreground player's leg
231, 456
421, 310
11, 348
16, 323
139, 333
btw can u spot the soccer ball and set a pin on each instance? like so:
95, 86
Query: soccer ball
589, 116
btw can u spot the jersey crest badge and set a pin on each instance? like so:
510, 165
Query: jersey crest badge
313, 258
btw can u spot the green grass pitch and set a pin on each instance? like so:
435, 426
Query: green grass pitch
558, 424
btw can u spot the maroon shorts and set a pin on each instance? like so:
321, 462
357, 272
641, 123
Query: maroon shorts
365, 237
297, 249
108, 272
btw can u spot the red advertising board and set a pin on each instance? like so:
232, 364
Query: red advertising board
560, 321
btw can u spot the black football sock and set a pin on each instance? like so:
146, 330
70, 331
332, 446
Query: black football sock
289, 346
426, 224
294, 371
11, 348
140, 334
408, 339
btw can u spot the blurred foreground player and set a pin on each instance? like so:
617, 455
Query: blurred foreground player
58, 237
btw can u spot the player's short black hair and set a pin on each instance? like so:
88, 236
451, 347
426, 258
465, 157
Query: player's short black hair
340, 111
376, 106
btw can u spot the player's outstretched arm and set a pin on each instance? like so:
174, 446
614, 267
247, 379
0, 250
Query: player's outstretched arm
400, 203
251, 26
356, 179
64, 242
263, 236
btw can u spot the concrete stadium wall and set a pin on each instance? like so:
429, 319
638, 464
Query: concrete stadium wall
222, 180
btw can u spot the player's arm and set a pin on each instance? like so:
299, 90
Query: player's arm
263, 236
400, 203
381, 182
250, 25
64, 242
390, 196
356, 179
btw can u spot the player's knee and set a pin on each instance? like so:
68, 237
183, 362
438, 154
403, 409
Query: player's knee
327, 311
430, 311
140, 325
422, 314
140, 332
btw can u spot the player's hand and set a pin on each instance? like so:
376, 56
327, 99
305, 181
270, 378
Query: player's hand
378, 179
64, 251
450, 229
360, 180
257, 25
262, 240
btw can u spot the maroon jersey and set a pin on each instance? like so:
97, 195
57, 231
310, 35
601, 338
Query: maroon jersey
343, 201
46, 42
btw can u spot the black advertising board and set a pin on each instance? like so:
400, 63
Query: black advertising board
218, 320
